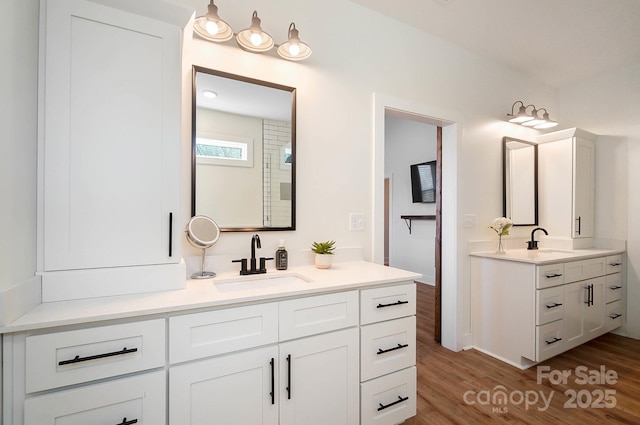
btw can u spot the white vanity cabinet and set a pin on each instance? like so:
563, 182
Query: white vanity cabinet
566, 183
97, 374
287, 362
109, 148
524, 313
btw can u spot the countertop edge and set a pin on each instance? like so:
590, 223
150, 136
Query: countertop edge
576, 255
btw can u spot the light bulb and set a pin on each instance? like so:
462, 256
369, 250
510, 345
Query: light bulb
294, 49
255, 39
212, 27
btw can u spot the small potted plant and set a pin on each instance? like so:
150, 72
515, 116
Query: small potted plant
324, 253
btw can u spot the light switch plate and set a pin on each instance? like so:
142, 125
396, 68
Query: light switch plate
356, 222
469, 221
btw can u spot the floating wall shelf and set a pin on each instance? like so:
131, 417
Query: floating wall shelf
409, 218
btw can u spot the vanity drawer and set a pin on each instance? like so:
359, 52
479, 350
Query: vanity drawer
314, 315
138, 398
71, 357
549, 275
550, 304
210, 333
585, 269
389, 302
390, 399
387, 346
549, 340
614, 287
614, 264
614, 315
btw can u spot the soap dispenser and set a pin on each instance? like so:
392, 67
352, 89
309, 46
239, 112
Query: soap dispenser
282, 257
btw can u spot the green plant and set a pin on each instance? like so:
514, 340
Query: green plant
326, 247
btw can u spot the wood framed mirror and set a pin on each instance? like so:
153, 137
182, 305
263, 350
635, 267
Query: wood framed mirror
243, 152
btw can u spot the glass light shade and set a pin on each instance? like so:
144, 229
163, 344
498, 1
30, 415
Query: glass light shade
253, 39
521, 116
211, 27
536, 120
294, 49
548, 122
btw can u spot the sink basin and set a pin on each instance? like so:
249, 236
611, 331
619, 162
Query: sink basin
261, 281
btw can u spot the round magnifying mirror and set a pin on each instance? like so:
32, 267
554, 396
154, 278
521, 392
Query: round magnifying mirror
202, 232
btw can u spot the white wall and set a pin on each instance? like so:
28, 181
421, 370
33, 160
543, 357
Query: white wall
409, 142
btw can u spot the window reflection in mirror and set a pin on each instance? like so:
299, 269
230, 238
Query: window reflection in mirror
520, 183
243, 153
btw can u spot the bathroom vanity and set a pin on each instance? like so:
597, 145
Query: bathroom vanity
299, 346
530, 305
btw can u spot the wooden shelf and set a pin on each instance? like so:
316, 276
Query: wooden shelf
409, 218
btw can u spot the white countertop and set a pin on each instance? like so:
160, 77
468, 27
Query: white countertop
546, 256
226, 289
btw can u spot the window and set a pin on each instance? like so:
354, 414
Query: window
224, 152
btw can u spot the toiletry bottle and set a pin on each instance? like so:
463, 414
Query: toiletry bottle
282, 258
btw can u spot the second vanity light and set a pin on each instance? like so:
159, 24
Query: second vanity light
530, 119
253, 39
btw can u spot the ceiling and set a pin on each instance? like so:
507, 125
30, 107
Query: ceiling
558, 42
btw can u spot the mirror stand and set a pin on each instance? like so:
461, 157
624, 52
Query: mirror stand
202, 232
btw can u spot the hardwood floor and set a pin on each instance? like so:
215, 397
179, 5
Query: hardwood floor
444, 377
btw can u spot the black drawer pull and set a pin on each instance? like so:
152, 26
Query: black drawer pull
398, 347
399, 400
554, 305
615, 287
170, 234
556, 339
392, 304
126, 422
615, 264
78, 359
614, 315
273, 381
289, 377
551, 276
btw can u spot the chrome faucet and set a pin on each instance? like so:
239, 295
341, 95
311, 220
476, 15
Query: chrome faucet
533, 244
255, 243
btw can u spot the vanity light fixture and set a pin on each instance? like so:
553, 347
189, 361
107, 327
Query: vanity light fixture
211, 27
294, 49
530, 119
253, 39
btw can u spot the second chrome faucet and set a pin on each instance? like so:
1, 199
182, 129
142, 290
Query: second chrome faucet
253, 269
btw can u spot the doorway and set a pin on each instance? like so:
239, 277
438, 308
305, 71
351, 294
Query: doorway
450, 287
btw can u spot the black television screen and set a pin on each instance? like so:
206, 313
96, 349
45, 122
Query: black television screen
423, 182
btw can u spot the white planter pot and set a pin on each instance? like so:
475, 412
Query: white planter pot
323, 261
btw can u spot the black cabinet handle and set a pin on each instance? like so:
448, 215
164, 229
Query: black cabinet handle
556, 339
579, 220
551, 276
289, 377
589, 289
78, 359
392, 304
614, 315
273, 381
170, 234
554, 305
126, 422
398, 347
399, 400
615, 287
615, 264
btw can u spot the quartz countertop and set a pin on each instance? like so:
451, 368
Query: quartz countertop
226, 289
547, 255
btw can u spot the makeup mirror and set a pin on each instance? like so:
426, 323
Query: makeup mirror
520, 181
202, 232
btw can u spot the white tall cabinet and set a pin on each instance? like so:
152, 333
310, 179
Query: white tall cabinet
566, 180
109, 147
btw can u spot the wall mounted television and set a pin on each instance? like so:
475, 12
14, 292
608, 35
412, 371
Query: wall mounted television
423, 182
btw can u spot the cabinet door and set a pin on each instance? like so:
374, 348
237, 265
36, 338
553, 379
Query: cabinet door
575, 297
139, 398
110, 138
583, 190
235, 389
319, 380
594, 324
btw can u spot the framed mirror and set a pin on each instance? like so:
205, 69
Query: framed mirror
520, 181
243, 152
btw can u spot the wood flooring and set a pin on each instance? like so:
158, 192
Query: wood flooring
465, 387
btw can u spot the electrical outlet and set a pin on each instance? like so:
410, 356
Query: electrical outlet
469, 221
356, 222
